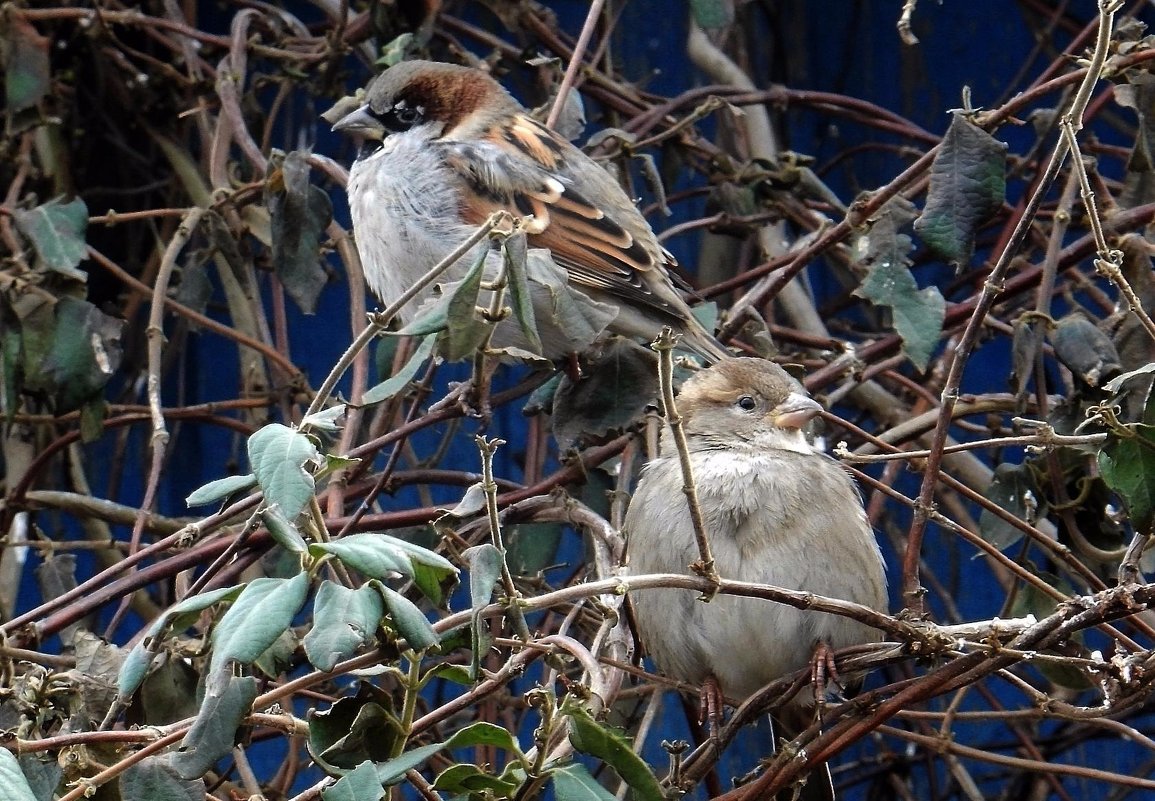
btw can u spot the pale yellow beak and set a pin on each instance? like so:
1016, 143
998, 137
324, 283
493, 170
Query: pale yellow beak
794, 412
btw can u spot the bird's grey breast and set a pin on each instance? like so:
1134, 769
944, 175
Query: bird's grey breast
405, 206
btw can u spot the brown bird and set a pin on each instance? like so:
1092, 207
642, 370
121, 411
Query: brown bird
445, 147
776, 512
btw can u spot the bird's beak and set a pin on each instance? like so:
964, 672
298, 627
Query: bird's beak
794, 412
360, 121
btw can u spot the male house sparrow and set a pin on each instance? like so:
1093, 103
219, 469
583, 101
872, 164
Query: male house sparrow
775, 511
447, 146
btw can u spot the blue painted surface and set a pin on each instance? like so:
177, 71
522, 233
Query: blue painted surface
847, 47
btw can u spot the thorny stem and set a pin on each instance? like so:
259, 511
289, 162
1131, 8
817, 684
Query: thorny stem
1107, 263
155, 333
1109, 268
664, 345
513, 597
912, 591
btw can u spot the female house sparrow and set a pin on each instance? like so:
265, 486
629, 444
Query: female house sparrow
447, 147
776, 512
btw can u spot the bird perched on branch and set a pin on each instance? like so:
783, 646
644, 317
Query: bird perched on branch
775, 512
445, 147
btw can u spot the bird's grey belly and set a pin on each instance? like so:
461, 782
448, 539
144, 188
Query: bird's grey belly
405, 214
748, 642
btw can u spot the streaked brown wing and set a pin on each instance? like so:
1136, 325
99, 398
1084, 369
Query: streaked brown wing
529, 170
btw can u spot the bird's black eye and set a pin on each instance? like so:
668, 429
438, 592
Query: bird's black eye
402, 117
747, 402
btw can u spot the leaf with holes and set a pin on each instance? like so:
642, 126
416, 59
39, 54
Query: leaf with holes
918, 313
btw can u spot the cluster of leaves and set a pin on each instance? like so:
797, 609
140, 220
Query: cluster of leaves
312, 608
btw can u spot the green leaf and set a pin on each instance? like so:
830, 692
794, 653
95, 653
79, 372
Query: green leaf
227, 700
133, 670
458, 674
395, 383
13, 785
220, 489
43, 774
168, 693
155, 778
380, 556
57, 232
394, 770
343, 621
475, 734
1085, 349
1128, 467
514, 253
279, 456
354, 729
967, 185
612, 747
278, 657
918, 313
532, 547
466, 331
396, 49
360, 784
581, 318
410, 621
27, 68
326, 419
282, 530
371, 554
256, 619
574, 783
1014, 489
475, 782
70, 349
611, 393
180, 616
712, 14
184, 613
432, 318
299, 212
483, 733
484, 562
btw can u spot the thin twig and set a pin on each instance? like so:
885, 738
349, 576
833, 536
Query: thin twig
664, 345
